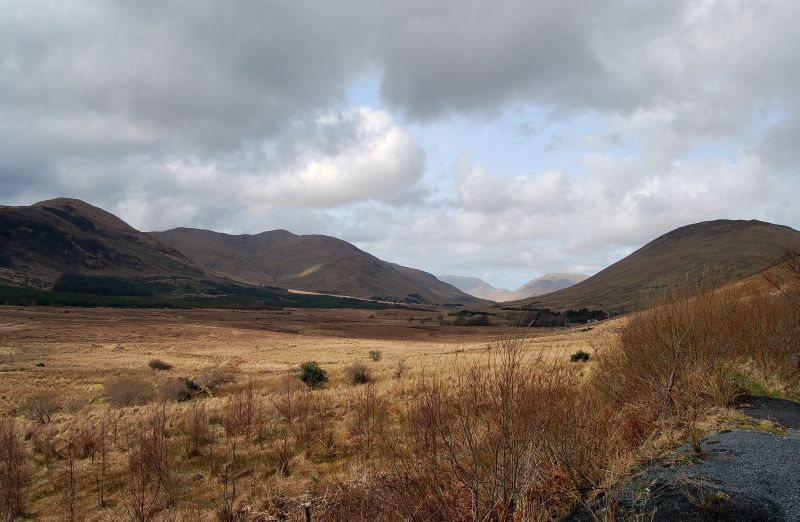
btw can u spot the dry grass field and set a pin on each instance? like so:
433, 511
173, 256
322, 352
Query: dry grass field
73, 355
79, 350
122, 414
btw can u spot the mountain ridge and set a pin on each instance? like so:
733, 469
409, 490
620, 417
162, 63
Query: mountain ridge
718, 252
41, 242
44, 240
546, 283
310, 262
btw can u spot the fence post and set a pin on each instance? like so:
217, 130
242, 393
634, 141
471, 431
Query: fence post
307, 511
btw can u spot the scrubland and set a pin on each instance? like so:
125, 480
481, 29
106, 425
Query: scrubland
201, 415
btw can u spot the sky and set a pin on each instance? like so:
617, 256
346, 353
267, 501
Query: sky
501, 140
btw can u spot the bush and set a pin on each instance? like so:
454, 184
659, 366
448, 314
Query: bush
213, 378
41, 408
400, 369
680, 354
375, 355
158, 364
14, 473
129, 391
480, 320
579, 356
312, 374
358, 373
74, 404
175, 390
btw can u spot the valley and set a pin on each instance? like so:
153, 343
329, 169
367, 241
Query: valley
193, 375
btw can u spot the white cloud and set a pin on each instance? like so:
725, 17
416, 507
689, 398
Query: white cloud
382, 161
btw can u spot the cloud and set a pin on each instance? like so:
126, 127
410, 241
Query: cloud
381, 161
237, 117
371, 159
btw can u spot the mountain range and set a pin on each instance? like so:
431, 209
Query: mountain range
314, 263
43, 243
40, 242
539, 286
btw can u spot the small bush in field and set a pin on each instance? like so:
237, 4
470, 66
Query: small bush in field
400, 369
312, 374
129, 391
41, 408
74, 404
175, 390
213, 378
375, 355
579, 356
158, 364
358, 373
481, 320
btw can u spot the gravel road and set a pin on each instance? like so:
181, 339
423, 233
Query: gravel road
741, 475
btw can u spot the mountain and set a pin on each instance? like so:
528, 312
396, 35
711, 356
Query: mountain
539, 286
718, 252
40, 242
546, 284
308, 262
476, 286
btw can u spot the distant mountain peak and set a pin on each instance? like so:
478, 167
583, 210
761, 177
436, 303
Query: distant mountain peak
541, 285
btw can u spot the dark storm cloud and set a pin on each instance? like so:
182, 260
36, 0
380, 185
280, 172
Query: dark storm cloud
471, 57
200, 74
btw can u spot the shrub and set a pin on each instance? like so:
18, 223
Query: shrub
175, 390
480, 320
579, 356
358, 373
41, 408
158, 364
499, 421
74, 404
681, 353
375, 355
129, 391
14, 476
312, 374
400, 369
213, 378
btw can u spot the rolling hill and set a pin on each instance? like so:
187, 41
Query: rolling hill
718, 252
539, 286
308, 262
40, 242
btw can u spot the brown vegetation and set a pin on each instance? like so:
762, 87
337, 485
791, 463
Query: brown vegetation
129, 391
158, 364
506, 430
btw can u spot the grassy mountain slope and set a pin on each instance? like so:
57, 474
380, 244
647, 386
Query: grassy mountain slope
720, 251
40, 242
308, 262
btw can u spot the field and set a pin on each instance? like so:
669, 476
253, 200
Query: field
73, 354
150, 414
81, 349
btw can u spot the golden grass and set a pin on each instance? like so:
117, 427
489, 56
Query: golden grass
76, 352
486, 422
